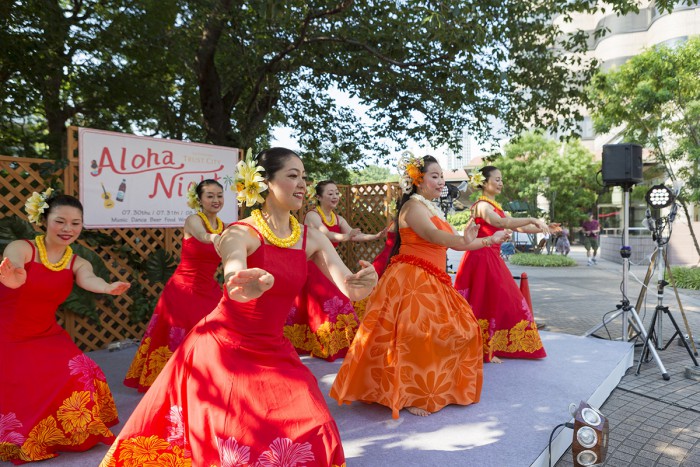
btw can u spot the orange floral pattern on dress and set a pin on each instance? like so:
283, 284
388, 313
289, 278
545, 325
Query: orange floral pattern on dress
77, 418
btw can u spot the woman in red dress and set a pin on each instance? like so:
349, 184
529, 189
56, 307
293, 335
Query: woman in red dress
52, 396
191, 292
323, 321
506, 321
419, 345
235, 392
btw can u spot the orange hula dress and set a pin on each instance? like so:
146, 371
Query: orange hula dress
506, 321
419, 344
53, 397
322, 321
190, 294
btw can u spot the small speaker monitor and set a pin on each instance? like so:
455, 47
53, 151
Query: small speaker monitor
622, 164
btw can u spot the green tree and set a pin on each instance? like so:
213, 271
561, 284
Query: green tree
227, 72
373, 174
564, 173
655, 98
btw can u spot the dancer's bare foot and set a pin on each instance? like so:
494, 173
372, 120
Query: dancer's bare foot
496, 360
418, 412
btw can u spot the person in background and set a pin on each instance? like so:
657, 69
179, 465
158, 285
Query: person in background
323, 321
190, 293
591, 231
563, 245
53, 397
508, 326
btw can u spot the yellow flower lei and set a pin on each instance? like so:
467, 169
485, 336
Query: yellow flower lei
270, 235
493, 203
58, 266
210, 229
323, 216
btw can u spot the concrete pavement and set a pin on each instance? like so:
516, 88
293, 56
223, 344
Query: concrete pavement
652, 422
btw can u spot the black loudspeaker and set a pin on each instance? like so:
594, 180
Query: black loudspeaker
622, 164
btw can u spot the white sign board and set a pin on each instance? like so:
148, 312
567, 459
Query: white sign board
135, 181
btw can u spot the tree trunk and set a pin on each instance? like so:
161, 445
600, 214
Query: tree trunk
690, 227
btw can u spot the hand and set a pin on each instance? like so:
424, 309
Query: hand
365, 277
381, 234
249, 284
10, 275
350, 236
471, 230
555, 227
544, 228
117, 288
500, 236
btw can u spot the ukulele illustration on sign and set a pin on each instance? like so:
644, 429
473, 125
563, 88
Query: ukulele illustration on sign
109, 204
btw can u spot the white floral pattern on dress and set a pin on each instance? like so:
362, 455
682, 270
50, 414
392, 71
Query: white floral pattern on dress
526, 310
176, 430
285, 453
464, 293
87, 370
290, 316
8, 423
231, 454
151, 325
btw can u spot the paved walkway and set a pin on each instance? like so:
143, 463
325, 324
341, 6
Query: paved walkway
652, 421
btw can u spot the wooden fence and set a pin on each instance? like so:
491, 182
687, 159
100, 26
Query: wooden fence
364, 206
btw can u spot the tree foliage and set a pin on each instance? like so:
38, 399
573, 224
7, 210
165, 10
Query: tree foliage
373, 174
228, 71
654, 100
563, 173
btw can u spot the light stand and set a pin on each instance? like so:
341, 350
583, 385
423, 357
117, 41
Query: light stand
447, 196
654, 334
625, 309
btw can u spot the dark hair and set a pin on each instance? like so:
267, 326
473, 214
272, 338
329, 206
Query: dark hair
486, 172
320, 186
427, 160
273, 159
203, 183
56, 201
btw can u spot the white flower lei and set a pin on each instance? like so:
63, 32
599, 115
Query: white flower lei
430, 205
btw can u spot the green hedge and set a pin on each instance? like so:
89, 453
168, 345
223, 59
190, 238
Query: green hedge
686, 278
534, 259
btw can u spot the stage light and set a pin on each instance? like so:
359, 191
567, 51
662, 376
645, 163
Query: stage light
659, 196
590, 444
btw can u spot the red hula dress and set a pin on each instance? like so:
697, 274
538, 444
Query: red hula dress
235, 392
382, 260
506, 321
52, 396
322, 321
189, 295
419, 344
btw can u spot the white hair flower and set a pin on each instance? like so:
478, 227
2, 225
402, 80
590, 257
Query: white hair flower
410, 170
192, 198
476, 179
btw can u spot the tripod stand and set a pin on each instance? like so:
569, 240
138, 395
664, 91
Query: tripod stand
625, 309
654, 335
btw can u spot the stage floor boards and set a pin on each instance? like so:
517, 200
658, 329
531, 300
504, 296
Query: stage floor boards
521, 402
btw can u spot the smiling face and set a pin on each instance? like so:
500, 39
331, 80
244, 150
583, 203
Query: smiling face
433, 182
330, 196
212, 198
493, 184
287, 187
63, 225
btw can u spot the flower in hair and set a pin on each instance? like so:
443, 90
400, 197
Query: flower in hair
36, 205
249, 181
410, 171
310, 190
476, 179
192, 198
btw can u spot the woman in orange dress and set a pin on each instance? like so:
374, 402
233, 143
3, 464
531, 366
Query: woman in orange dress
323, 321
191, 292
53, 397
419, 345
507, 325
